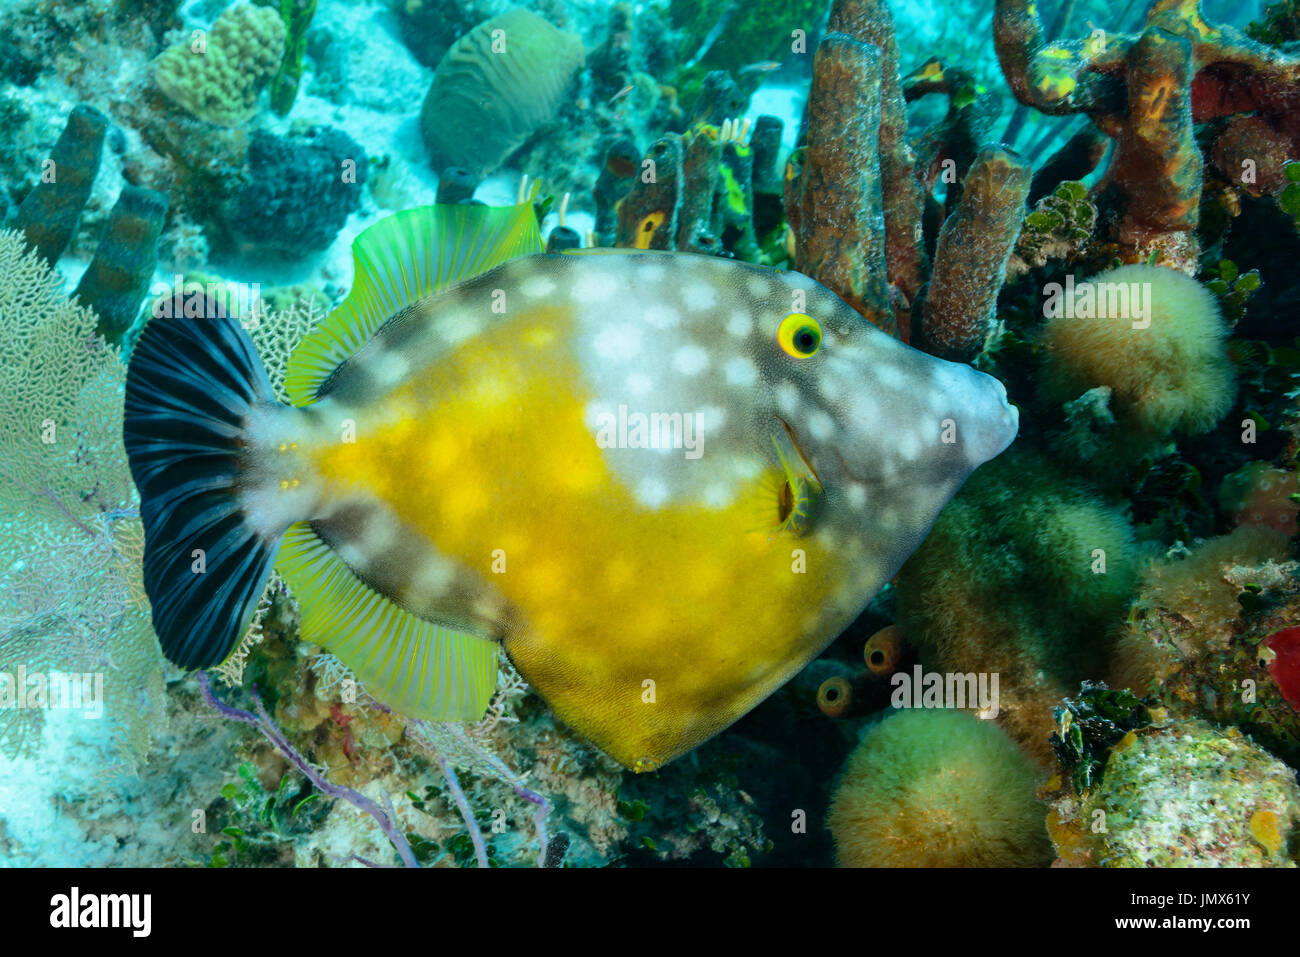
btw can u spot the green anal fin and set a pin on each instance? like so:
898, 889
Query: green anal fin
398, 261
418, 668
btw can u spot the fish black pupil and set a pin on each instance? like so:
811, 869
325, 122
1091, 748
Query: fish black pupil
805, 340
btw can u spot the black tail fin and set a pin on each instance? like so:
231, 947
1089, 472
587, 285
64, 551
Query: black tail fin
189, 388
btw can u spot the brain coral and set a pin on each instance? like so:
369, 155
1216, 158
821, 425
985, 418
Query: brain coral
1171, 375
938, 789
494, 88
219, 79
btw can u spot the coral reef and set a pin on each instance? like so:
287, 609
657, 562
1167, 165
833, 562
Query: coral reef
1142, 531
71, 541
218, 78
856, 194
938, 789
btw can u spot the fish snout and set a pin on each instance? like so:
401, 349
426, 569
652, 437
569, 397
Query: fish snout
992, 422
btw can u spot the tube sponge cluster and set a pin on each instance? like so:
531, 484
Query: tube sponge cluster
1168, 369
220, 81
938, 789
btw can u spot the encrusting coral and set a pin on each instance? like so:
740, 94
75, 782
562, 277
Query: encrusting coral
1180, 794
938, 788
218, 77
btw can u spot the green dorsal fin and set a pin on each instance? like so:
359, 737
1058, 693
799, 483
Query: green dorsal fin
415, 667
401, 259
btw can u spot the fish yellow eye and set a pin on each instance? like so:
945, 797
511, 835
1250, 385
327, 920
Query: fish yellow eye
799, 335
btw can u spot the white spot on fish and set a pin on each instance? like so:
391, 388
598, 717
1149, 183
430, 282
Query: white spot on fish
595, 412
378, 535
787, 398
661, 317
711, 419
690, 360
717, 495
537, 286
759, 287
699, 296
909, 446
740, 371
594, 286
433, 578
391, 368
857, 496
639, 384
456, 328
620, 342
890, 376
651, 273
740, 324
820, 426
351, 555
652, 492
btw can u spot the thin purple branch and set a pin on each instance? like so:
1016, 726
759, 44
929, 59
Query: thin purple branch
262, 721
466, 812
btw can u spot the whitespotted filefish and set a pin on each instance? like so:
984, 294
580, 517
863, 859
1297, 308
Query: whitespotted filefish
661, 482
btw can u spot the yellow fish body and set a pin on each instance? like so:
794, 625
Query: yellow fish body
662, 482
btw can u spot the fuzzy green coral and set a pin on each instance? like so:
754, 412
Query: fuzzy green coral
938, 789
1162, 351
1024, 574
218, 77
